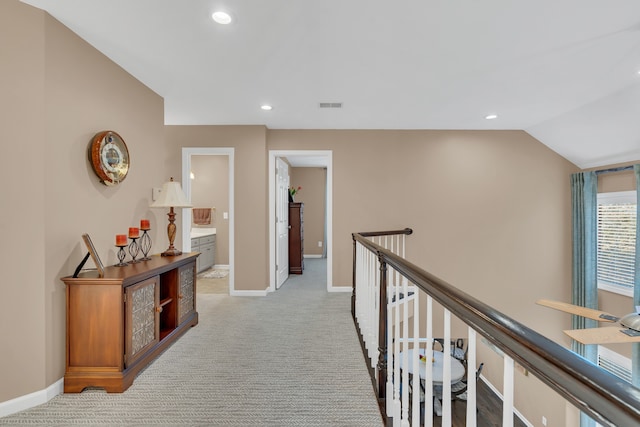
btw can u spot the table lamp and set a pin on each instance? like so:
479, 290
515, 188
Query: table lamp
171, 197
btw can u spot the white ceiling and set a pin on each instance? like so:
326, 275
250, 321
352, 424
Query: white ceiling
565, 71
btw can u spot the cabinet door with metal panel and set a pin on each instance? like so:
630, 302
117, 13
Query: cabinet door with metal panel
142, 322
186, 291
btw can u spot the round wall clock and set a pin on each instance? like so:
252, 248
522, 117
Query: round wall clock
109, 157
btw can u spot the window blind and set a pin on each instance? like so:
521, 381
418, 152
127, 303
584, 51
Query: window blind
615, 363
616, 242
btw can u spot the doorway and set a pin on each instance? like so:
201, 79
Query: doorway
282, 221
300, 158
187, 153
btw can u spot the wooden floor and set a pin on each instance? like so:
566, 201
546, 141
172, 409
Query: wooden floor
489, 410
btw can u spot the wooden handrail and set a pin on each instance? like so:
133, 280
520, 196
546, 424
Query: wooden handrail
603, 396
406, 231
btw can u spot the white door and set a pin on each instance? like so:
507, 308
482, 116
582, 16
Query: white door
282, 222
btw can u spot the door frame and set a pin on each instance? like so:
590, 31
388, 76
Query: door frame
187, 152
327, 155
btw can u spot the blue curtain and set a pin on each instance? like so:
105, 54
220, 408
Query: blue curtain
584, 193
635, 351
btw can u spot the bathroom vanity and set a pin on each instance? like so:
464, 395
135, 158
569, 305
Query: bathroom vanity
203, 240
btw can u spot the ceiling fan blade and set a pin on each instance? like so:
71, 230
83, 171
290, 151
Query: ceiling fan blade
589, 313
608, 335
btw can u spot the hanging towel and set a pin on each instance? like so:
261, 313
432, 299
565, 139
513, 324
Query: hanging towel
202, 216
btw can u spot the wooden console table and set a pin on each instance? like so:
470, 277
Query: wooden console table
118, 323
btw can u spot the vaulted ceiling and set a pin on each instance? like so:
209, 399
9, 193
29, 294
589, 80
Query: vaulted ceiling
565, 71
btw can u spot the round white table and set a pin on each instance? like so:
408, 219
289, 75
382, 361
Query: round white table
457, 369
457, 372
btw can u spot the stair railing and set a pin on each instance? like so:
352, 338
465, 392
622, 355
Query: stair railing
391, 295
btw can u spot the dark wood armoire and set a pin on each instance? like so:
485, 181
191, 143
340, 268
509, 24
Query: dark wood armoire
296, 238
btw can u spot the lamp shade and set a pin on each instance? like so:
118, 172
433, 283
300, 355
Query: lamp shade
171, 196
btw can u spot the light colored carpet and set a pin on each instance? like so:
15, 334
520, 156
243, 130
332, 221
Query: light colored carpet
291, 358
213, 286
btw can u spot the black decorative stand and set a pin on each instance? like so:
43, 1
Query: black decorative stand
134, 248
121, 255
145, 245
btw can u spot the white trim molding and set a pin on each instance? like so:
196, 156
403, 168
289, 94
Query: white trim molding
515, 411
340, 289
31, 400
235, 293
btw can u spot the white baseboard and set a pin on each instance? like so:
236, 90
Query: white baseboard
495, 390
235, 293
311, 256
32, 399
221, 266
340, 289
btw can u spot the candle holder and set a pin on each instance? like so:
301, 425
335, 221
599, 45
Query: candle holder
121, 255
145, 245
134, 248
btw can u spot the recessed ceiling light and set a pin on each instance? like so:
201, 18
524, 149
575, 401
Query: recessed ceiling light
266, 107
221, 17
491, 116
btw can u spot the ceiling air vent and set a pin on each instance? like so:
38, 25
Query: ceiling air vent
331, 105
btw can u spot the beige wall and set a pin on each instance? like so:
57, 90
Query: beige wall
313, 183
616, 181
210, 189
23, 352
250, 198
60, 93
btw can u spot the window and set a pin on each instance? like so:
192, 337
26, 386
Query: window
615, 363
616, 241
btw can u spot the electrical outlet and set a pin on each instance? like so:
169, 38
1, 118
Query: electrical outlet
155, 193
544, 421
521, 369
320, 243
225, 215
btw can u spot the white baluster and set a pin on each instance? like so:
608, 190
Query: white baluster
405, 355
507, 399
415, 416
372, 344
471, 379
391, 397
396, 350
376, 313
364, 297
446, 373
428, 380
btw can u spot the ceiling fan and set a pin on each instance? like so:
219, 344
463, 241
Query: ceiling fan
630, 332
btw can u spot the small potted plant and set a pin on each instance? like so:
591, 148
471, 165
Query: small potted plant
292, 192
